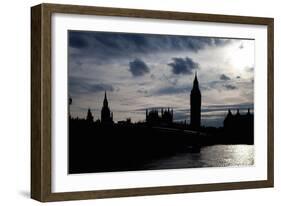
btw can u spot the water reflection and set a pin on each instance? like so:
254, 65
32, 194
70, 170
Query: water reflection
210, 156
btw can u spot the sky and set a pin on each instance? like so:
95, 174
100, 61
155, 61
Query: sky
140, 71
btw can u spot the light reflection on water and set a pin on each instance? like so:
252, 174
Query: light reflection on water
210, 156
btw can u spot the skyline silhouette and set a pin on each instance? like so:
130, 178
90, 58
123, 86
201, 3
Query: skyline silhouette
165, 115
103, 145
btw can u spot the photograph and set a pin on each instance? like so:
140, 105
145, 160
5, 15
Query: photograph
140, 101
133, 102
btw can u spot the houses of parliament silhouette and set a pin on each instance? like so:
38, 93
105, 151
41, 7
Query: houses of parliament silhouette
165, 116
104, 145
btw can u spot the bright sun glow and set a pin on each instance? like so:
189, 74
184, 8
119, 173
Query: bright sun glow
241, 57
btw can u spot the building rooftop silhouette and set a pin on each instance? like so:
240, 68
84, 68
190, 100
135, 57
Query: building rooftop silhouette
239, 125
165, 116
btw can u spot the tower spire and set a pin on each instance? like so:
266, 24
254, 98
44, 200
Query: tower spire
195, 104
106, 114
105, 102
195, 82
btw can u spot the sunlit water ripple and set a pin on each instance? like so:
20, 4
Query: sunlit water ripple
210, 156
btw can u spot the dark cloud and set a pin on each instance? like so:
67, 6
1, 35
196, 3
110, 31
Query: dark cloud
76, 40
183, 65
84, 86
138, 68
104, 46
229, 86
224, 77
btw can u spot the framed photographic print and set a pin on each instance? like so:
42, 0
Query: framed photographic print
130, 102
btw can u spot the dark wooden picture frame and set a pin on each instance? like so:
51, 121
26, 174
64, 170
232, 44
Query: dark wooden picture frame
41, 117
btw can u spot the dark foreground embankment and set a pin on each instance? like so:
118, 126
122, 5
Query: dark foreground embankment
100, 148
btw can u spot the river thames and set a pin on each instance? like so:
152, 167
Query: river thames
209, 156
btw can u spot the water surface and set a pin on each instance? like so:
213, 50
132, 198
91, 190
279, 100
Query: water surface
210, 156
